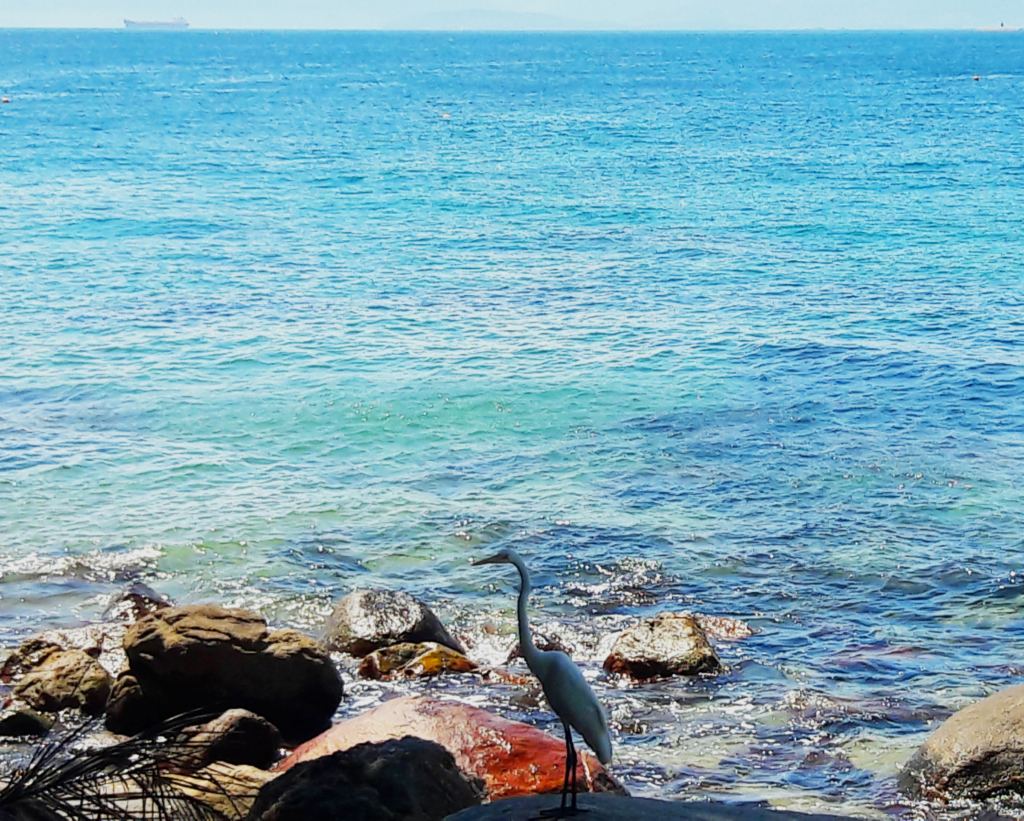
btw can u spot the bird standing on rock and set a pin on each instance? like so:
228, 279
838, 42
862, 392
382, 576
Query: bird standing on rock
564, 687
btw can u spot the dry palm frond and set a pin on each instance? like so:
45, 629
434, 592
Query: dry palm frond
128, 781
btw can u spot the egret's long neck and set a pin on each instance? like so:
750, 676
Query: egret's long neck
526, 646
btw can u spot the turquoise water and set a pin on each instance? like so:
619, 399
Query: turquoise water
729, 323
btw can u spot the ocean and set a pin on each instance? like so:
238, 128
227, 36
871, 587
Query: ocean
728, 323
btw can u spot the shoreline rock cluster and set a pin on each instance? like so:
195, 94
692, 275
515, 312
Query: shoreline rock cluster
255, 689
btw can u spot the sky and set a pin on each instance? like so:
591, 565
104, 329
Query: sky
522, 14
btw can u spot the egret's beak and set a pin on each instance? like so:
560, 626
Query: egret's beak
497, 558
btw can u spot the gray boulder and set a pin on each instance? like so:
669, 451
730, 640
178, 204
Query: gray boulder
975, 753
670, 644
366, 620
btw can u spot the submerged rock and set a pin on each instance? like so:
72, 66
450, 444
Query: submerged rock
724, 628
977, 752
511, 757
366, 620
136, 601
670, 644
204, 656
414, 661
66, 679
405, 779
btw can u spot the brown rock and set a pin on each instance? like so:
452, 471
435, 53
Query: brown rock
102, 642
65, 679
206, 657
128, 710
670, 644
511, 757
414, 661
405, 779
236, 737
28, 655
977, 752
366, 620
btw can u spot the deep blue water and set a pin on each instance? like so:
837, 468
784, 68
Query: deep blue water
729, 323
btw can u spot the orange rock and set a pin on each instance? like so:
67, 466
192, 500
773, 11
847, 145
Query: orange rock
414, 661
511, 757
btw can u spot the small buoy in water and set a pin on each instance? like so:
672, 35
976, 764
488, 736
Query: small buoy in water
5, 99
976, 78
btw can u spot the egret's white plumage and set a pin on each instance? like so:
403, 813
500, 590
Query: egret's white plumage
562, 681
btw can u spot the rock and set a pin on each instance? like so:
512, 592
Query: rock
414, 661
66, 679
236, 737
618, 808
134, 602
28, 655
102, 642
975, 753
541, 642
405, 779
670, 644
511, 757
366, 620
128, 710
22, 720
206, 657
230, 789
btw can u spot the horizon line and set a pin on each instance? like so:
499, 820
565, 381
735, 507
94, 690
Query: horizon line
1013, 29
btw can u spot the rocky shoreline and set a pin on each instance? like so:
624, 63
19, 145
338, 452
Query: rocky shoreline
255, 692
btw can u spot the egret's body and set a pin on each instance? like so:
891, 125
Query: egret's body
564, 686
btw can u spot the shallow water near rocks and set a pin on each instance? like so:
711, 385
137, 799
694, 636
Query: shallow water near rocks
726, 323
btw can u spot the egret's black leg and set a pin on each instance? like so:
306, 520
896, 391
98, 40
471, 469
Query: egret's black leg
568, 762
570, 776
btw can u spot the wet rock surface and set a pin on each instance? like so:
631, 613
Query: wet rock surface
670, 644
204, 656
366, 620
414, 661
976, 753
511, 757
65, 679
103, 642
407, 779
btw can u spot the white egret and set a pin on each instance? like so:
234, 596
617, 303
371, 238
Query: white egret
564, 687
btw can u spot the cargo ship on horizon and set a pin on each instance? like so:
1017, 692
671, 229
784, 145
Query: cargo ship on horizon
177, 24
